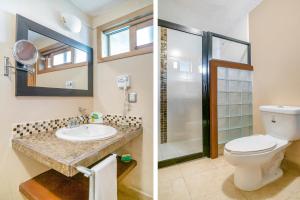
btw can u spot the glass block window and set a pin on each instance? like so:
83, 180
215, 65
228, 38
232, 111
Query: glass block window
234, 104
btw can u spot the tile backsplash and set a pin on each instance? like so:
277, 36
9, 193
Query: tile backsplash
27, 128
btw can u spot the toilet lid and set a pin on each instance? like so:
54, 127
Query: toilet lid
250, 145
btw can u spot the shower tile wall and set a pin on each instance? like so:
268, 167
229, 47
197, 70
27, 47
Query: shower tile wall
234, 104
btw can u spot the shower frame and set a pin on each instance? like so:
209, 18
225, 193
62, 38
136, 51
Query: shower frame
207, 52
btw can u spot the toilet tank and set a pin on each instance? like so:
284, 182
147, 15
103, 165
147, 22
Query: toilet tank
282, 122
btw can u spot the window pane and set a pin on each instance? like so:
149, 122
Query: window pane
62, 58
144, 36
104, 43
119, 42
58, 59
67, 57
42, 62
230, 51
80, 56
49, 62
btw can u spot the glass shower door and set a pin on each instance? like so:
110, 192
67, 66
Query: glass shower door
181, 88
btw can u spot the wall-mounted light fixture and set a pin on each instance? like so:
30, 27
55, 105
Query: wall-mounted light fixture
71, 22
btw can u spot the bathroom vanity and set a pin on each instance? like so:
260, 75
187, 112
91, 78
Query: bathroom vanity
64, 156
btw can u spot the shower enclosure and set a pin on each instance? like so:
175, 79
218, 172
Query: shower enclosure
184, 88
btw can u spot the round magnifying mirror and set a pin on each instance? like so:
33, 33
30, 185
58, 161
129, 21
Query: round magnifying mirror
25, 53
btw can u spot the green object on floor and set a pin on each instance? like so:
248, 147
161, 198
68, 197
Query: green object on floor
126, 158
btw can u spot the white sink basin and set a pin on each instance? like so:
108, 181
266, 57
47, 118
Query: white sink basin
86, 132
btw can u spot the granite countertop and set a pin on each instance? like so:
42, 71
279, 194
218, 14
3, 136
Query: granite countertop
63, 156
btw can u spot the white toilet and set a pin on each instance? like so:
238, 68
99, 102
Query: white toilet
257, 158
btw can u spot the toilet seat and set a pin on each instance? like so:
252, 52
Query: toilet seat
251, 145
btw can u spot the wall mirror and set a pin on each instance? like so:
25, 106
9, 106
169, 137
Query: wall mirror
64, 66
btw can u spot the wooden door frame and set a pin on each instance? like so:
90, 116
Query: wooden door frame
214, 64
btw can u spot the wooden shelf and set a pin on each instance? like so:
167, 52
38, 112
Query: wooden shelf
52, 185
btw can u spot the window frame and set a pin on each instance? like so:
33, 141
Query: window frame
59, 67
108, 35
60, 52
134, 21
138, 27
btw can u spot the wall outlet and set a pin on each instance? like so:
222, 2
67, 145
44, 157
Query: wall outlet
132, 97
69, 84
123, 81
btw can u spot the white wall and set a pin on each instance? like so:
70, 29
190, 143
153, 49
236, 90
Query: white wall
78, 75
14, 167
119, 10
109, 99
48, 13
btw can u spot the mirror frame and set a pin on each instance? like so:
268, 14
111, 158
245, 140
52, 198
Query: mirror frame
22, 89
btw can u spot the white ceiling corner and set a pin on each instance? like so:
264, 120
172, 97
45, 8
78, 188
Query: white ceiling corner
95, 7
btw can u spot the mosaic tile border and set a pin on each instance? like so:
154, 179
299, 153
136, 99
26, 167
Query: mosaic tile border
28, 128
121, 120
163, 87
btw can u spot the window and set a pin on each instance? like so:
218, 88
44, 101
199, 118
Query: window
118, 41
80, 56
60, 57
144, 36
128, 36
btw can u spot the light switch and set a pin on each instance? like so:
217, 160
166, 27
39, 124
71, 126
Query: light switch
132, 97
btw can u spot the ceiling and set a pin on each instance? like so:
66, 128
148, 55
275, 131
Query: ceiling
94, 7
207, 15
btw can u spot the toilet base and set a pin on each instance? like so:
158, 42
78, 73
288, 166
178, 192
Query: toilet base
253, 177
250, 179
272, 177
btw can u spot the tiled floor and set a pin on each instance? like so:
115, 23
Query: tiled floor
206, 179
179, 148
125, 193
123, 196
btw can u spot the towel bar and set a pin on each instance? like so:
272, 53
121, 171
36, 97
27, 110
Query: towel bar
91, 175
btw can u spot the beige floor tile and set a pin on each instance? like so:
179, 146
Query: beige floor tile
127, 196
221, 163
213, 185
173, 190
179, 190
196, 167
294, 196
281, 189
5, 196
213, 180
165, 189
169, 173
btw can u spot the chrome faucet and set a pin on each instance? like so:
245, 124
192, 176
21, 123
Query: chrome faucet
74, 122
82, 111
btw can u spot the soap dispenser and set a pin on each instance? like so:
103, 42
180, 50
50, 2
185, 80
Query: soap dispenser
96, 118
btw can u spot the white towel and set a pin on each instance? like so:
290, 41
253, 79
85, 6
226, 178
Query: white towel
106, 179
